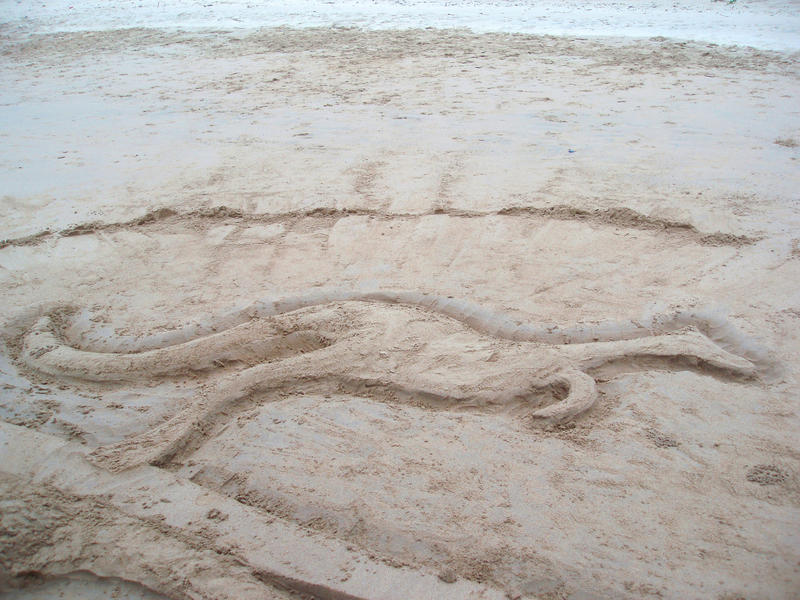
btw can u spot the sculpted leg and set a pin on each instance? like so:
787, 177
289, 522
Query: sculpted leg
210, 409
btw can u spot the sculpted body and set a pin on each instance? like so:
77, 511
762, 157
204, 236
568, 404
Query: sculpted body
436, 352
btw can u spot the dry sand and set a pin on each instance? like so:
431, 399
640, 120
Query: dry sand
538, 335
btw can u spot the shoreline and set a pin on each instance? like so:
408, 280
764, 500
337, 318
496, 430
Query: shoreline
613, 40
770, 25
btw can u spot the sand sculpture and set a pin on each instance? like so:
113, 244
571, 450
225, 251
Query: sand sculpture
390, 345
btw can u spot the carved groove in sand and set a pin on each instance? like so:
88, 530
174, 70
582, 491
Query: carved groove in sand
393, 345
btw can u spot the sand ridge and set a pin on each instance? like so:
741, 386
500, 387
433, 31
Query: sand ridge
622, 217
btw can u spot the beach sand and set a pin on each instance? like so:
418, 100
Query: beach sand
535, 205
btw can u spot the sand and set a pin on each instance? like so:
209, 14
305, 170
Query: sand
348, 313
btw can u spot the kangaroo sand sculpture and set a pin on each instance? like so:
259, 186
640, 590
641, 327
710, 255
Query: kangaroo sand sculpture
401, 346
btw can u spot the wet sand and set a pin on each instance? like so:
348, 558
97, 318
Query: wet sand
585, 190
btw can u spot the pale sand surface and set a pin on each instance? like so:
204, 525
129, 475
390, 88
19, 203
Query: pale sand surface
547, 180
